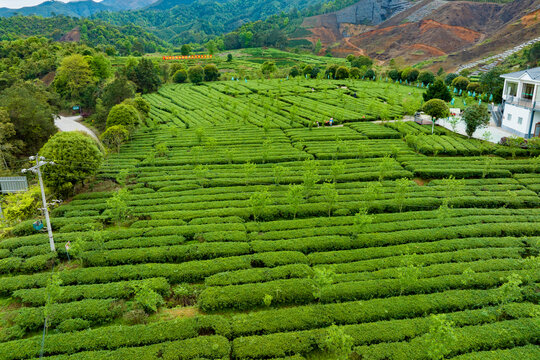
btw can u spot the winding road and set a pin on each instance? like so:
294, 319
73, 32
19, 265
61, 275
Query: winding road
71, 123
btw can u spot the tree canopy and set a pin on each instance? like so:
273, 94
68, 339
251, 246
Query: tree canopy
76, 157
475, 116
31, 114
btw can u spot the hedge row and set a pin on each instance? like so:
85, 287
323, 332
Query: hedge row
302, 291
469, 338
437, 246
114, 337
304, 342
192, 272
527, 352
116, 290
259, 275
321, 315
166, 254
199, 348
458, 257
330, 243
350, 291
12, 265
96, 311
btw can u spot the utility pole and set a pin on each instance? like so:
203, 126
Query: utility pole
40, 161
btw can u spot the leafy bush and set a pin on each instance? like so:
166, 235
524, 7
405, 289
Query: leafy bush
180, 76
125, 115
76, 157
114, 137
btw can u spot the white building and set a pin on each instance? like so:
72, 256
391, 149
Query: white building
521, 101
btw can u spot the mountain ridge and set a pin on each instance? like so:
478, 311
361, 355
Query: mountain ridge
83, 8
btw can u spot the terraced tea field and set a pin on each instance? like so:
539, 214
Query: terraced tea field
267, 239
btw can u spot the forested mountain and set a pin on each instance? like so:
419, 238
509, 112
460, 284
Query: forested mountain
180, 21
124, 40
77, 8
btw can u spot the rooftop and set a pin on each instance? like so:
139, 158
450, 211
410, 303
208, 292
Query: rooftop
529, 74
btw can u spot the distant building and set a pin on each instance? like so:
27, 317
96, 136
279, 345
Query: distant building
521, 101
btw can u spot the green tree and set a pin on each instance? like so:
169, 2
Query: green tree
28, 108
361, 220
229, 57
440, 338
180, 76
337, 344
125, 115
437, 109
331, 70
330, 195
9, 146
258, 202
355, 73
370, 74
114, 137
437, 91
295, 197
318, 47
426, 77
76, 156
308, 69
100, 66
147, 299
117, 91
21, 206
492, 83
118, 207
362, 61
294, 72
211, 73
73, 77
196, 74
460, 83
394, 74
268, 67
402, 187
310, 176
185, 50
146, 76
450, 78
342, 73
475, 116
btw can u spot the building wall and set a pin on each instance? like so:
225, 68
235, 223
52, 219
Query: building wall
512, 124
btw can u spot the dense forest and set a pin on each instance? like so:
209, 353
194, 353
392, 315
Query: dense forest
201, 20
126, 40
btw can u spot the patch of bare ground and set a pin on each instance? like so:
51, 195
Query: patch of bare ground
179, 313
421, 182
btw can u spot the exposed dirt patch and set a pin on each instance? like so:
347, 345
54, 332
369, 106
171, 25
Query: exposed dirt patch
72, 36
179, 313
49, 78
531, 19
421, 182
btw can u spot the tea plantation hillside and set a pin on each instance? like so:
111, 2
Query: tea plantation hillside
244, 231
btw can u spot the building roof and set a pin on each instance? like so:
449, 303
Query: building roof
529, 74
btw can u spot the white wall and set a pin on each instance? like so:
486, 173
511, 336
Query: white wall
512, 124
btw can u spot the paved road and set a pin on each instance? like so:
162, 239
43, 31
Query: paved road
71, 123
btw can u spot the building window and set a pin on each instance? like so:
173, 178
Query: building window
509, 117
520, 120
512, 89
528, 90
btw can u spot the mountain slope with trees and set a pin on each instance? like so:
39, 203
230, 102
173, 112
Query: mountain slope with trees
75, 8
124, 40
